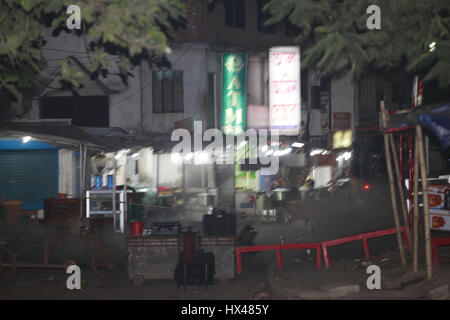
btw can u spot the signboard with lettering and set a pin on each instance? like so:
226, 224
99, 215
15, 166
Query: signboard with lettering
342, 139
284, 90
257, 117
341, 120
438, 200
234, 93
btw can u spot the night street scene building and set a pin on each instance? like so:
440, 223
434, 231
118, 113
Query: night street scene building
262, 150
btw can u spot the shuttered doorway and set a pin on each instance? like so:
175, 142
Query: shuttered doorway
28, 175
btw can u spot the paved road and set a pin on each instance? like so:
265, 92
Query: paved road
334, 218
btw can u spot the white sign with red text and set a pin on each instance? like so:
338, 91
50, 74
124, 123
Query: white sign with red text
284, 90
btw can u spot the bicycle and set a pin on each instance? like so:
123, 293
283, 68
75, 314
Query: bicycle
107, 261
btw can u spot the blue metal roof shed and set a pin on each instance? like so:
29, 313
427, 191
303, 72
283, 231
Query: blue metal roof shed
28, 172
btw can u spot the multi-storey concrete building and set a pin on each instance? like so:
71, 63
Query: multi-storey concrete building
159, 99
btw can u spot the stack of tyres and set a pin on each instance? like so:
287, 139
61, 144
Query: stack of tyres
219, 224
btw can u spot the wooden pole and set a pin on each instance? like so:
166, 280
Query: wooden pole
85, 155
416, 206
399, 185
426, 209
411, 136
391, 186
81, 185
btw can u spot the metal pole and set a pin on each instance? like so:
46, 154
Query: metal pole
125, 205
114, 193
400, 186
391, 186
427, 150
157, 172
141, 96
416, 208
400, 157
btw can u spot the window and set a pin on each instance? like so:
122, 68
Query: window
263, 16
167, 91
235, 13
87, 111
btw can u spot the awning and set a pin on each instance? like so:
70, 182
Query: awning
97, 139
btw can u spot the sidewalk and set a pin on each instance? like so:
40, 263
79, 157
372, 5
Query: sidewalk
346, 280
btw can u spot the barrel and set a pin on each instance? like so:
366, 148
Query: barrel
98, 182
110, 181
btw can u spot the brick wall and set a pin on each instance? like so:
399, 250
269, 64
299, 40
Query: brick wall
190, 32
208, 26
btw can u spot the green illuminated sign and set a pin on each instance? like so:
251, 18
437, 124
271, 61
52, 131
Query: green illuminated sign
234, 93
244, 179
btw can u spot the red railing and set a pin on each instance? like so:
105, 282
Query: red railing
325, 245
277, 248
363, 237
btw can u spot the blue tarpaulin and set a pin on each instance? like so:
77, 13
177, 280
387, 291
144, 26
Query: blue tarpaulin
437, 120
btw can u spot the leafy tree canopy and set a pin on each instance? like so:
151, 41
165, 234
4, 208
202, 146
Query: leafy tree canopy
127, 28
336, 38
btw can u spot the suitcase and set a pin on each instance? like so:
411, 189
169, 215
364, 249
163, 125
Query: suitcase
198, 273
219, 224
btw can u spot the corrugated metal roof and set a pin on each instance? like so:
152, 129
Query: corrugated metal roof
97, 139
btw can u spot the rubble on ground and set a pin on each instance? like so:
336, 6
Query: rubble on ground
339, 290
397, 281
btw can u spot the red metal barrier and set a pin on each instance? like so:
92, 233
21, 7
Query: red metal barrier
435, 242
277, 248
400, 129
363, 237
